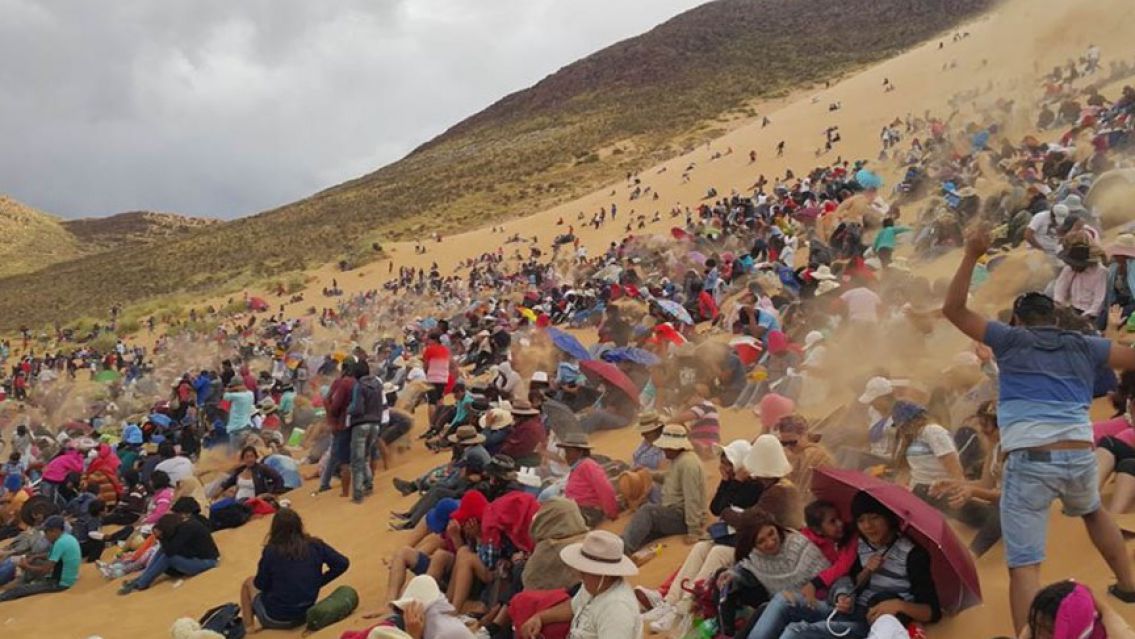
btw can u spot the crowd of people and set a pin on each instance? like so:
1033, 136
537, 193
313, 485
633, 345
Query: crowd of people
758, 303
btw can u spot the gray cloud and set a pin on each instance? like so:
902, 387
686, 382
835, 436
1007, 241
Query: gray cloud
213, 107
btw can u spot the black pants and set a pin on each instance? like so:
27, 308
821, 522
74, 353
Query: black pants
744, 592
1124, 454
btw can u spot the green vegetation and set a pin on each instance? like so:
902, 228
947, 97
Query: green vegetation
532, 149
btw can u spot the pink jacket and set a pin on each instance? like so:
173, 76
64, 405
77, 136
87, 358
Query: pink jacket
57, 469
587, 485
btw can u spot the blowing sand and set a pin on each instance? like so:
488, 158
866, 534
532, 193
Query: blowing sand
1005, 54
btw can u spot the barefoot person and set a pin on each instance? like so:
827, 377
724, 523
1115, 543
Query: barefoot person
1046, 432
293, 567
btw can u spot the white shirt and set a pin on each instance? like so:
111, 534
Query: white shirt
862, 304
613, 614
923, 455
178, 468
1045, 231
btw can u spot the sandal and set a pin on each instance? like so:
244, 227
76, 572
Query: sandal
1126, 596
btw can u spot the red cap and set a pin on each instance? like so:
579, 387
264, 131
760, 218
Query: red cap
473, 505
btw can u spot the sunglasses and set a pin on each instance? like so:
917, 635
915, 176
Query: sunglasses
790, 443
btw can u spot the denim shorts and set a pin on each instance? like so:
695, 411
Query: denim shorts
1030, 484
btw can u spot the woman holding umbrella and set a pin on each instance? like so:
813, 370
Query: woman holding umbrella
891, 579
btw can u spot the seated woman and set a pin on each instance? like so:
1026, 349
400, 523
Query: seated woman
701, 420
768, 467
162, 498
1069, 609
708, 556
987, 489
187, 549
890, 578
252, 478
925, 452
770, 559
293, 568
604, 606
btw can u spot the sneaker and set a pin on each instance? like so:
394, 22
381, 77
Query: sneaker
666, 622
648, 599
127, 588
657, 612
405, 487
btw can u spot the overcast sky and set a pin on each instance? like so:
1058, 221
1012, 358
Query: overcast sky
222, 108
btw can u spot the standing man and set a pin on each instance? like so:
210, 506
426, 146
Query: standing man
1046, 433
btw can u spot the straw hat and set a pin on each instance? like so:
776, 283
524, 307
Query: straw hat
466, 435
539, 377
766, 459
812, 338
824, 273
496, 419
576, 440
267, 405
649, 421
674, 437
523, 408
600, 553
1124, 245
735, 451
826, 286
876, 388
421, 589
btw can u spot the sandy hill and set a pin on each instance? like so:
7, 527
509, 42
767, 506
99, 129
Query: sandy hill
1002, 59
630, 105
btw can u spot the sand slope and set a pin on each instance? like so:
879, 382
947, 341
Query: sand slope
1022, 39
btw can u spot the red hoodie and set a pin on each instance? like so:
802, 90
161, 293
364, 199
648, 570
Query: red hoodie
841, 559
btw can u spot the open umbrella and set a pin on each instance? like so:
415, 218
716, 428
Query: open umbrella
568, 343
951, 564
679, 233
108, 375
697, 257
610, 375
160, 420
675, 310
631, 354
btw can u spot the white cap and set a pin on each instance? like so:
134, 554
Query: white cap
421, 589
540, 377
876, 388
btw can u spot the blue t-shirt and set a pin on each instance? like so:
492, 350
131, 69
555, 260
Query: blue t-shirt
1045, 383
67, 556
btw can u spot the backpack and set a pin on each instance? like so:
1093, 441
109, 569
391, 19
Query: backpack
229, 514
224, 620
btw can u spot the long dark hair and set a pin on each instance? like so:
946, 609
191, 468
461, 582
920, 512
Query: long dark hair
1046, 603
287, 535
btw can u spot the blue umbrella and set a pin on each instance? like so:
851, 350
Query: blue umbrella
633, 355
675, 310
567, 343
162, 421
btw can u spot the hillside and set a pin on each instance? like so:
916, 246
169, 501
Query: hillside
135, 227
627, 106
32, 239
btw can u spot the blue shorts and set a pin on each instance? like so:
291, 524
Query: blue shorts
422, 565
1031, 481
341, 446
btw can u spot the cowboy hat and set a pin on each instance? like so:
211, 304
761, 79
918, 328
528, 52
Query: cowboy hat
267, 405
421, 589
735, 451
496, 419
649, 421
1124, 245
823, 273
600, 553
466, 435
523, 407
766, 459
674, 437
1078, 256
539, 377
575, 440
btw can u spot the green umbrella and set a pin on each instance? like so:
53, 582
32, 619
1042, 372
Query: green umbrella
107, 376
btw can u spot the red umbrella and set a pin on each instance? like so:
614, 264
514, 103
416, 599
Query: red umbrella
600, 371
951, 564
679, 233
